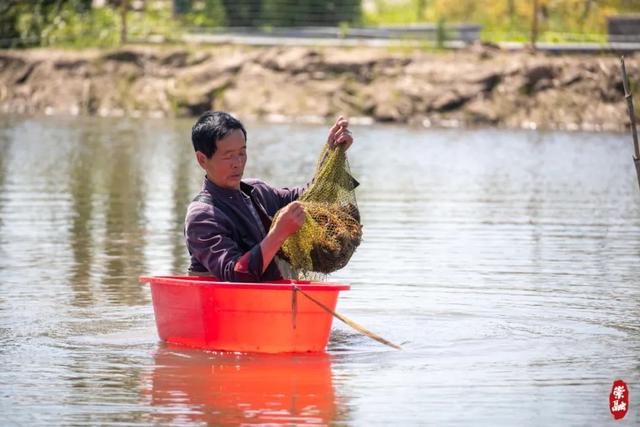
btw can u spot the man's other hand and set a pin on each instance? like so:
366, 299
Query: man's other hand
340, 134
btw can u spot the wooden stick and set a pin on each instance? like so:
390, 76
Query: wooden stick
632, 114
124, 7
349, 322
534, 25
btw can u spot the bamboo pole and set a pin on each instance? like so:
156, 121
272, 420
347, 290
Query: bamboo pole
632, 118
632, 115
349, 322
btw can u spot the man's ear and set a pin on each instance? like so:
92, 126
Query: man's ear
202, 159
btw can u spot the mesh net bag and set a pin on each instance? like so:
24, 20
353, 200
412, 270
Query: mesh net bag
332, 230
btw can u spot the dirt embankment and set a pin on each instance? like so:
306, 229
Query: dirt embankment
481, 86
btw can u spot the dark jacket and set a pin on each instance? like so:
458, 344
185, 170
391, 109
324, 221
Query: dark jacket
222, 235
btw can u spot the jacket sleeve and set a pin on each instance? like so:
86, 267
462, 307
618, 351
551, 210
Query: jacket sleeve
287, 195
274, 198
210, 240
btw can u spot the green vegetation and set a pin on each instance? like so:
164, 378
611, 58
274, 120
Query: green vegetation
77, 23
306, 12
211, 13
66, 27
508, 20
74, 23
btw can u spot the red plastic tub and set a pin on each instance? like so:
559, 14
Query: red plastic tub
204, 313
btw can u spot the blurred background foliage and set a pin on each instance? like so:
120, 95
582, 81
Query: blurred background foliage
509, 20
102, 23
80, 23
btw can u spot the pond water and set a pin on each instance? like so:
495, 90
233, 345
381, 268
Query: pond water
504, 262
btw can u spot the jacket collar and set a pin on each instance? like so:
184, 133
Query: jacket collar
217, 191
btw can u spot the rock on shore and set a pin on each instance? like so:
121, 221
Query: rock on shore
480, 86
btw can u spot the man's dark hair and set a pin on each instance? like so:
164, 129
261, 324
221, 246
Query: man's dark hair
210, 128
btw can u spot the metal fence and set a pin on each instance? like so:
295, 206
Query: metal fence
623, 29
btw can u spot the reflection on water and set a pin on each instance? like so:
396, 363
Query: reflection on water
81, 184
182, 195
228, 389
5, 147
124, 229
504, 262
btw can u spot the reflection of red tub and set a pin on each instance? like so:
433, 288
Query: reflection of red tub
248, 317
189, 386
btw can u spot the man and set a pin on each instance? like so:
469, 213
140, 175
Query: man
228, 226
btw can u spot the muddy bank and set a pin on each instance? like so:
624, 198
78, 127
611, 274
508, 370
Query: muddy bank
481, 86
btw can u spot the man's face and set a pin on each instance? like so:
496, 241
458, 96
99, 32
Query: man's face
226, 166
